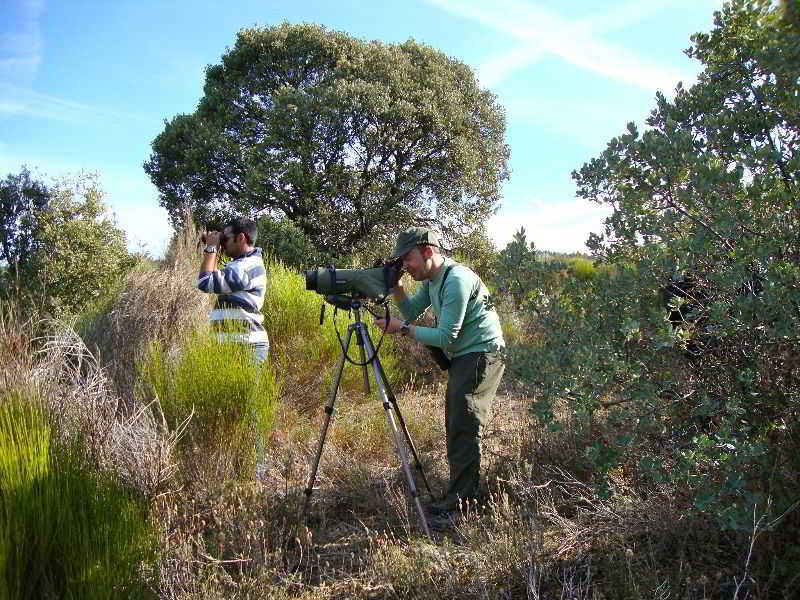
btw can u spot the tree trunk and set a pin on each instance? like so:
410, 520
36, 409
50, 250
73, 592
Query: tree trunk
791, 12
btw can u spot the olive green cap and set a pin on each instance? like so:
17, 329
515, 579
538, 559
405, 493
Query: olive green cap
413, 237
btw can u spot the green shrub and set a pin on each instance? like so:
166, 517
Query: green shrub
282, 240
709, 404
76, 252
582, 268
230, 397
65, 531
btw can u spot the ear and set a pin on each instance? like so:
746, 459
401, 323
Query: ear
427, 252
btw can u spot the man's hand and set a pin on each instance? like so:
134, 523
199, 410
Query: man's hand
209, 262
212, 238
393, 326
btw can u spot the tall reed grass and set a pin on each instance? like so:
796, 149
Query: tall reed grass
157, 301
229, 397
66, 531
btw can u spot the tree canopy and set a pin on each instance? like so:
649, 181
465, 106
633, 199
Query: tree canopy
350, 140
21, 197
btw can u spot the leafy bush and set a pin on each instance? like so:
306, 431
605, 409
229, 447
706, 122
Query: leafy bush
65, 531
21, 198
75, 251
582, 268
528, 277
477, 251
706, 196
283, 241
306, 351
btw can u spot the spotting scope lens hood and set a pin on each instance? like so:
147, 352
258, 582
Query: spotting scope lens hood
312, 279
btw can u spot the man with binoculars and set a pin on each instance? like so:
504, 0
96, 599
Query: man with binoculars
240, 286
468, 327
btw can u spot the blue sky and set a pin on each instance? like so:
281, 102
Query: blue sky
86, 85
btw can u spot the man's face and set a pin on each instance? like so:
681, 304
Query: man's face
415, 263
233, 244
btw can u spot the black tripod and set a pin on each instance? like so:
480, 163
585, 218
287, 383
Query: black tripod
369, 357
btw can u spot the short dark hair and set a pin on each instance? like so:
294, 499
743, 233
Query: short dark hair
245, 226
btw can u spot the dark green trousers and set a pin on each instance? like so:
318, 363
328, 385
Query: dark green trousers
471, 386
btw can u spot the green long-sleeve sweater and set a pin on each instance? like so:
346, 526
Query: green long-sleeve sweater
466, 321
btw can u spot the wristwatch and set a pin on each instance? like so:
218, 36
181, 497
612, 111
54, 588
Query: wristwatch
405, 328
209, 249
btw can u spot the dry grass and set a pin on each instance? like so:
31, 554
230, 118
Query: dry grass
362, 530
156, 303
17, 346
58, 370
548, 537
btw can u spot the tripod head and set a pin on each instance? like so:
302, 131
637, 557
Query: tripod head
354, 301
344, 301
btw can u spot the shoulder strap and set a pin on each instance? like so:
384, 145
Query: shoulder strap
441, 291
472, 296
441, 288
444, 278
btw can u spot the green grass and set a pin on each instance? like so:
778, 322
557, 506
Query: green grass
230, 398
582, 268
65, 531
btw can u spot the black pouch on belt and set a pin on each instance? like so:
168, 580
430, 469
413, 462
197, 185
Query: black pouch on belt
439, 357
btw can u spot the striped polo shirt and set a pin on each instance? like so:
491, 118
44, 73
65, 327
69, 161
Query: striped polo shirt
240, 288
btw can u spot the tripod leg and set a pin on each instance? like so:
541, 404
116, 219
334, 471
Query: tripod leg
364, 368
398, 441
328, 416
390, 395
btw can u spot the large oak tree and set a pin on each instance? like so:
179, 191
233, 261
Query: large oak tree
348, 139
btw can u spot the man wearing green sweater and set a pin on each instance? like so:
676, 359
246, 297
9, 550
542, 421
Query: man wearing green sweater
468, 329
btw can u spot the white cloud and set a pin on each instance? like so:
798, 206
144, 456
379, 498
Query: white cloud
20, 41
20, 59
497, 68
588, 121
561, 227
570, 41
21, 100
19, 65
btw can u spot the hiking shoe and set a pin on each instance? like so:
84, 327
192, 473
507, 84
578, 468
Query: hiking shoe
442, 522
446, 506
